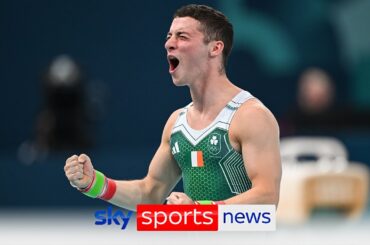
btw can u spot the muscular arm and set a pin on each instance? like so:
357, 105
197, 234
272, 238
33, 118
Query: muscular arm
163, 175
257, 133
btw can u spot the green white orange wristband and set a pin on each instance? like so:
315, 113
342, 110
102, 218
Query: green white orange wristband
208, 202
100, 187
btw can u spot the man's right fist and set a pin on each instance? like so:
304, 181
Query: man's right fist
79, 171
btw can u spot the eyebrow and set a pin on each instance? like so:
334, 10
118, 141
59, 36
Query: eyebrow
179, 32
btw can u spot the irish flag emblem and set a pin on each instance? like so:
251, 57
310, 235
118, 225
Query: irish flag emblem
197, 159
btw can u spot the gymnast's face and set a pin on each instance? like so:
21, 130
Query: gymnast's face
187, 53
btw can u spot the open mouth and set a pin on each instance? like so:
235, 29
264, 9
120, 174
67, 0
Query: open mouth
174, 62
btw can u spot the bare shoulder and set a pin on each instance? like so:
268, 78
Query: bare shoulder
169, 125
254, 109
253, 118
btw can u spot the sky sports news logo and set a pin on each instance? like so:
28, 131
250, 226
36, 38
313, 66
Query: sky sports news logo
193, 218
111, 217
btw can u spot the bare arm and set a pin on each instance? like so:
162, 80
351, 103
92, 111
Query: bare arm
257, 133
163, 174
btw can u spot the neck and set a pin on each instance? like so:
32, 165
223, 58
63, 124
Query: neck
212, 92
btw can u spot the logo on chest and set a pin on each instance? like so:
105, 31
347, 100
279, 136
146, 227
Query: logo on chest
214, 144
175, 148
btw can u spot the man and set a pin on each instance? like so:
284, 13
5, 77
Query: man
225, 144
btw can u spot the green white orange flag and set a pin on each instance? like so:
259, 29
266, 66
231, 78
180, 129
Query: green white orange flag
197, 159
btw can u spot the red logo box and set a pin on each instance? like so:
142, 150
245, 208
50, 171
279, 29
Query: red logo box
177, 217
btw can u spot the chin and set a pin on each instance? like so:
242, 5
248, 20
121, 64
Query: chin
178, 83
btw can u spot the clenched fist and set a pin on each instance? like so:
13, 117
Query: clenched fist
179, 198
79, 171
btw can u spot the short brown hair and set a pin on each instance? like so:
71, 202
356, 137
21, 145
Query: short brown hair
215, 26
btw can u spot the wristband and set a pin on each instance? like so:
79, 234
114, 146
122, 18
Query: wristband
87, 188
208, 202
109, 189
97, 187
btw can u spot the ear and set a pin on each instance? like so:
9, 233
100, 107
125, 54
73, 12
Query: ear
216, 48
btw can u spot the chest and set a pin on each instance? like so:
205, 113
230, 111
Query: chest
189, 152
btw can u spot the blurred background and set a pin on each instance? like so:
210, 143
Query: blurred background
92, 76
